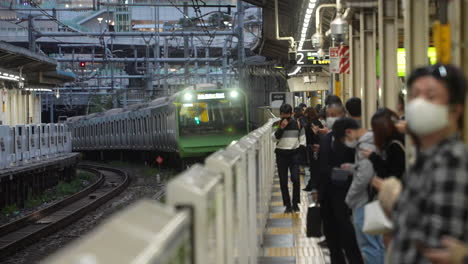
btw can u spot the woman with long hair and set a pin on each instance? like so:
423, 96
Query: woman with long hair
390, 158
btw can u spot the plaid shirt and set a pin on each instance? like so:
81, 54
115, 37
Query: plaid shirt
434, 202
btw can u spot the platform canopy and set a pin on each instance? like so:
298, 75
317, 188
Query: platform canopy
37, 69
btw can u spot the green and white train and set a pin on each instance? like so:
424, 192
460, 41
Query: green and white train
191, 123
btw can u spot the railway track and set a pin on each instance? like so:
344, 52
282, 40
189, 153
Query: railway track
27, 230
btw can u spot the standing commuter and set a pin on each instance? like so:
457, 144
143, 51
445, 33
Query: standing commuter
353, 107
290, 138
434, 200
312, 138
336, 215
348, 131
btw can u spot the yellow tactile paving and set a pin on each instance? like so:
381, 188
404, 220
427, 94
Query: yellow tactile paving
276, 203
279, 215
306, 249
280, 230
292, 252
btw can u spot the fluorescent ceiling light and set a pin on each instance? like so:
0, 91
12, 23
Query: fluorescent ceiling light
303, 35
308, 16
311, 5
309, 11
306, 20
39, 89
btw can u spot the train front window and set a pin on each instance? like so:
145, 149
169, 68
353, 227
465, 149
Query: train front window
210, 117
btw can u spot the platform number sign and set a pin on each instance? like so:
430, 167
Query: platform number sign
310, 58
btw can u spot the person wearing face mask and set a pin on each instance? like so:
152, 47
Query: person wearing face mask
348, 131
434, 200
290, 139
336, 215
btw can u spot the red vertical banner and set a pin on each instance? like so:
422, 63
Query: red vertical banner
344, 59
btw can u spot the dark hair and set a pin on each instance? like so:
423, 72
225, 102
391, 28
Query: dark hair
318, 108
383, 126
298, 112
401, 100
340, 126
333, 99
311, 114
353, 106
302, 105
322, 114
450, 75
286, 109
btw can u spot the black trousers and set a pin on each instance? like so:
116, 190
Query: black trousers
313, 166
338, 228
289, 162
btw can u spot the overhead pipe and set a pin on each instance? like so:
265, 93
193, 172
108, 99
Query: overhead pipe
290, 39
318, 16
351, 4
348, 12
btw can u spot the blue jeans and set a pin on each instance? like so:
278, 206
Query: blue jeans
372, 247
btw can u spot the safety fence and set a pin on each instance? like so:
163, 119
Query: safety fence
214, 213
25, 144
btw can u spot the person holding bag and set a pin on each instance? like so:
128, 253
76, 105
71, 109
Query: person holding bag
330, 188
349, 132
434, 200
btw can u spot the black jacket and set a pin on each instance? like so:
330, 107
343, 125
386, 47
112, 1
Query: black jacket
332, 154
311, 137
392, 161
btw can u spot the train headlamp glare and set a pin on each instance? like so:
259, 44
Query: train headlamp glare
234, 94
188, 97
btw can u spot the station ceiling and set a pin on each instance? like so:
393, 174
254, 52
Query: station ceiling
291, 15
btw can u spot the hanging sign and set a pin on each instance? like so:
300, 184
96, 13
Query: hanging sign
334, 60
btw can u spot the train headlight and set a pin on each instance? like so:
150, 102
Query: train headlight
188, 97
234, 94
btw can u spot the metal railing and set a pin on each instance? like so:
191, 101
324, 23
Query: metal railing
214, 213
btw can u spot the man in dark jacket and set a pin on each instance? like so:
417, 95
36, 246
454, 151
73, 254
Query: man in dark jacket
338, 229
290, 137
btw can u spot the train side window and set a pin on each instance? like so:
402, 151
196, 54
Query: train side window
146, 125
140, 126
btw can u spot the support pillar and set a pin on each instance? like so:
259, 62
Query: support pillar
388, 46
416, 22
368, 48
459, 27
355, 60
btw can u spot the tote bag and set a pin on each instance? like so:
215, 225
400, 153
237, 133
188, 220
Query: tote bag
375, 220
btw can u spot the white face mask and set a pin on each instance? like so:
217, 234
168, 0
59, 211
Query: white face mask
331, 121
351, 144
425, 117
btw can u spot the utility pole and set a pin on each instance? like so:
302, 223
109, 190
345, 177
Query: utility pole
31, 34
157, 49
166, 66
186, 45
240, 36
